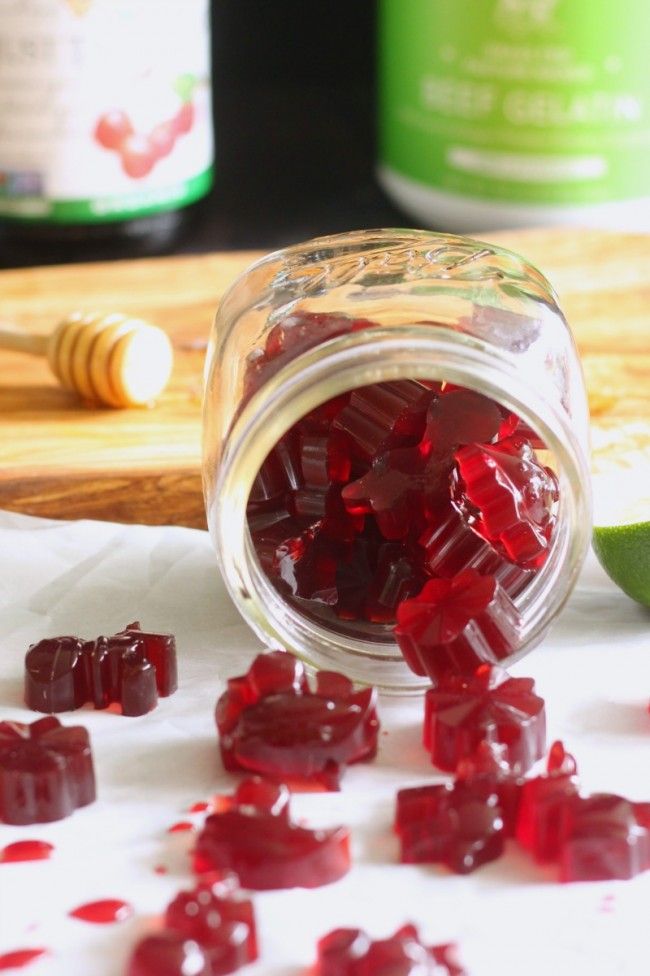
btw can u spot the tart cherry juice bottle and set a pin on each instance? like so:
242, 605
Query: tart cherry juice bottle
105, 123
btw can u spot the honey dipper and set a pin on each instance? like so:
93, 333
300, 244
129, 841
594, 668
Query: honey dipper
113, 359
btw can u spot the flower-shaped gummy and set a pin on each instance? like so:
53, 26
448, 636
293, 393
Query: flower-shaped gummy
271, 722
46, 771
602, 838
208, 931
509, 497
350, 952
461, 712
454, 625
384, 415
255, 838
132, 668
460, 825
543, 802
489, 767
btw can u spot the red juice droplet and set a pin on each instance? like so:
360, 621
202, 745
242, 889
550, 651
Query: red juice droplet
20, 957
160, 869
199, 807
179, 827
103, 912
26, 850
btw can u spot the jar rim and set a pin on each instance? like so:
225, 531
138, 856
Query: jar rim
372, 355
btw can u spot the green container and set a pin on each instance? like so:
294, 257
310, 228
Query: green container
516, 112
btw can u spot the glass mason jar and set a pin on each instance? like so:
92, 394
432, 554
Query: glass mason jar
433, 308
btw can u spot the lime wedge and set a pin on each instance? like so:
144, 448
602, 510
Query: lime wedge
621, 485
624, 553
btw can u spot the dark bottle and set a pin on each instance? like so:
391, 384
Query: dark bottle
105, 124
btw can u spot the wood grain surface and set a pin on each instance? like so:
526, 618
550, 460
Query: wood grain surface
61, 459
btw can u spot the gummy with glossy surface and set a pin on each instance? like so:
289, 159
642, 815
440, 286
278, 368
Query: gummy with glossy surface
256, 839
460, 825
489, 767
458, 417
509, 497
131, 668
454, 625
451, 546
46, 771
461, 712
543, 802
383, 416
350, 952
209, 930
602, 839
168, 954
271, 722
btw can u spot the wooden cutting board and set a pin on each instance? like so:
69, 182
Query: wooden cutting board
62, 460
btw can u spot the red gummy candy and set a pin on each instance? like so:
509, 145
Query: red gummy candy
208, 931
459, 417
349, 952
509, 497
391, 491
279, 473
384, 415
271, 722
602, 839
132, 668
168, 954
324, 459
543, 800
46, 771
398, 577
305, 561
489, 767
256, 840
461, 712
454, 625
451, 546
460, 825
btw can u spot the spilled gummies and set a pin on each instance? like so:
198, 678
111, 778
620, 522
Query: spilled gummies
131, 668
490, 706
350, 952
457, 824
272, 722
254, 837
463, 824
208, 931
388, 495
46, 771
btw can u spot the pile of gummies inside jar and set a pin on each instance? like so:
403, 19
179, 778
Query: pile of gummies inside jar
415, 508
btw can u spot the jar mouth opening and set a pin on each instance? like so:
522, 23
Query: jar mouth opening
349, 362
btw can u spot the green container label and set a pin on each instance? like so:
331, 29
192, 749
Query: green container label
531, 101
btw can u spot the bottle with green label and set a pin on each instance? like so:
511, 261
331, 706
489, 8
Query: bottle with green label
105, 118
516, 112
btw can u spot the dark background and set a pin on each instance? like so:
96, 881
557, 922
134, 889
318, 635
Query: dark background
294, 108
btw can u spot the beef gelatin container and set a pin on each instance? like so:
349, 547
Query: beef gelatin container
320, 358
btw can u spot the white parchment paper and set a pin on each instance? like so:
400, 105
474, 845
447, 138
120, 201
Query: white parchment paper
509, 918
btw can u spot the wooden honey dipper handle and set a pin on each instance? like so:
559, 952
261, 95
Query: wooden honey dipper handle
113, 359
